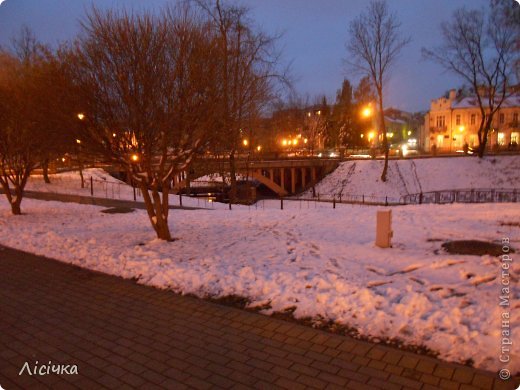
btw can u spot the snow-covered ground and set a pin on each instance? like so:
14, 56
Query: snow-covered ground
412, 176
321, 261
105, 186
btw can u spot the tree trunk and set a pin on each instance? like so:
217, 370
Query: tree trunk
232, 173
385, 139
80, 163
45, 168
155, 209
15, 206
16, 201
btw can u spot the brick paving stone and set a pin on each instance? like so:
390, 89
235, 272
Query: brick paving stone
289, 384
311, 381
482, 381
426, 366
123, 335
463, 375
443, 372
449, 385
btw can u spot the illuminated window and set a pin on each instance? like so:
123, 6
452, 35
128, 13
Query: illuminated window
501, 140
515, 137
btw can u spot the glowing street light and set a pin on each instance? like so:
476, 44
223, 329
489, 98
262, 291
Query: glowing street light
461, 128
371, 135
78, 141
259, 148
245, 142
284, 142
135, 157
367, 112
305, 140
81, 116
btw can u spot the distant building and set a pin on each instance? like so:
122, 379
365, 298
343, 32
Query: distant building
400, 125
454, 121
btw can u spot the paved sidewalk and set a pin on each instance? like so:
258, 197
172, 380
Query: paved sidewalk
106, 202
123, 335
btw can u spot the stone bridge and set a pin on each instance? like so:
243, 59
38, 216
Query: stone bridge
283, 177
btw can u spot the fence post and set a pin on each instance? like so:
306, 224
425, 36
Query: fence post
281, 203
340, 197
420, 198
91, 186
363, 198
472, 196
230, 205
133, 187
386, 200
493, 194
180, 199
514, 196
334, 202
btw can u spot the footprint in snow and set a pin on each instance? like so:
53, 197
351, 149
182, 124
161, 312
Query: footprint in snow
406, 270
334, 262
483, 279
377, 283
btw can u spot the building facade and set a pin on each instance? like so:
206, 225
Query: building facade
453, 121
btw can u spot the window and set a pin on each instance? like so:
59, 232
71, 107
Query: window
515, 137
502, 119
441, 121
472, 140
473, 116
457, 120
440, 141
515, 119
501, 139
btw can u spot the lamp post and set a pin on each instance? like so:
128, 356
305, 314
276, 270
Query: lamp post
81, 117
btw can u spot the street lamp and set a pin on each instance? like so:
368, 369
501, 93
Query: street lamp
367, 112
245, 142
81, 116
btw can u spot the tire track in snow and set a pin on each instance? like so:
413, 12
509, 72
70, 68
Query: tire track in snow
416, 176
401, 177
347, 178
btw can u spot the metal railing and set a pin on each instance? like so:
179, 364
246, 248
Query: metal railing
480, 195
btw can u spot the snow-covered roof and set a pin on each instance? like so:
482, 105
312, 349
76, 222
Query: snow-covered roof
472, 102
395, 120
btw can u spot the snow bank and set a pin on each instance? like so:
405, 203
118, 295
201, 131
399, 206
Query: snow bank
322, 261
411, 176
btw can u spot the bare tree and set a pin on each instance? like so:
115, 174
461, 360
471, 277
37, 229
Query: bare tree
146, 84
246, 73
49, 95
33, 113
374, 44
482, 49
